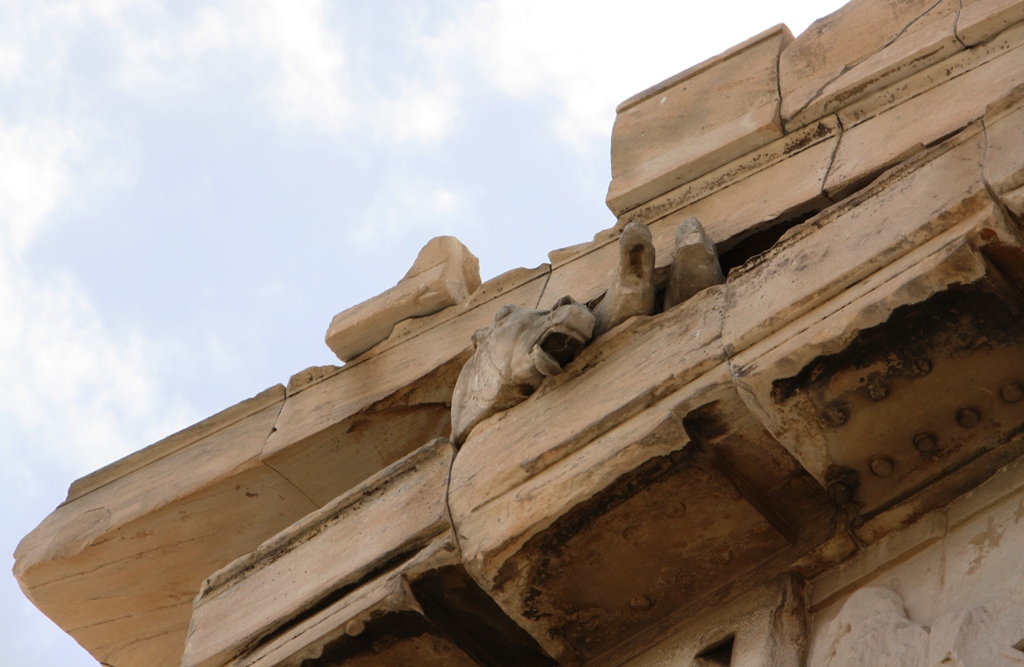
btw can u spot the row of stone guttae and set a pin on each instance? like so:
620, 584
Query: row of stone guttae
156, 504
670, 461
852, 61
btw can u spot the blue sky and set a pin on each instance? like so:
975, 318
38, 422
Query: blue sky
189, 191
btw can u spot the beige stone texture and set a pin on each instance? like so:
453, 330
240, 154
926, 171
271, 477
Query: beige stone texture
118, 564
631, 382
631, 284
834, 44
767, 628
981, 20
399, 511
724, 177
970, 578
928, 40
696, 121
890, 137
869, 387
580, 503
784, 190
445, 273
855, 238
897, 93
1004, 134
382, 407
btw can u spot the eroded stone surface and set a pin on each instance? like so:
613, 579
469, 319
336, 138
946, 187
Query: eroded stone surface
873, 628
444, 274
163, 519
834, 43
904, 130
696, 121
931, 38
983, 19
855, 238
631, 291
695, 264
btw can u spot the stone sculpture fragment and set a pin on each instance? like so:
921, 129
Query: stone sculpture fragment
513, 355
873, 629
632, 288
695, 265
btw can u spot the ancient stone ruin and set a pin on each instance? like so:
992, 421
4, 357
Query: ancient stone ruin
774, 417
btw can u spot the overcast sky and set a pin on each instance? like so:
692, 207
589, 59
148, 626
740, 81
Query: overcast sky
190, 190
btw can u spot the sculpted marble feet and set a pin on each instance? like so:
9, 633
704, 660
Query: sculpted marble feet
632, 289
695, 265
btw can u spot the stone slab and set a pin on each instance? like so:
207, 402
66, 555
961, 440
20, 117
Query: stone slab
696, 121
855, 238
164, 521
616, 377
890, 137
837, 42
963, 61
877, 388
767, 628
786, 189
1004, 135
333, 434
725, 177
445, 273
928, 40
617, 536
391, 516
981, 20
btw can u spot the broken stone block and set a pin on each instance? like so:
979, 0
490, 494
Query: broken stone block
981, 20
892, 136
848, 242
512, 357
767, 627
695, 264
615, 512
393, 515
696, 121
335, 433
928, 40
907, 377
372, 578
789, 188
1004, 136
835, 43
872, 628
770, 156
162, 519
445, 273
631, 291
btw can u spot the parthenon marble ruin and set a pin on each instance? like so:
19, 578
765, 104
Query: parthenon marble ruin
773, 417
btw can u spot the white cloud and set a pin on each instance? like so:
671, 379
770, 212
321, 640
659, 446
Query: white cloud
408, 205
91, 391
34, 178
589, 55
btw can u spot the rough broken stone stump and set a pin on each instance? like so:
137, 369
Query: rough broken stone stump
657, 487
373, 578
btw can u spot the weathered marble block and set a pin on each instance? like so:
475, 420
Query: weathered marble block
118, 563
373, 578
613, 511
835, 43
445, 273
906, 378
852, 240
929, 39
696, 121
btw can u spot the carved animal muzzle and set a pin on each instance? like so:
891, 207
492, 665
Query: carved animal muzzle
513, 356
